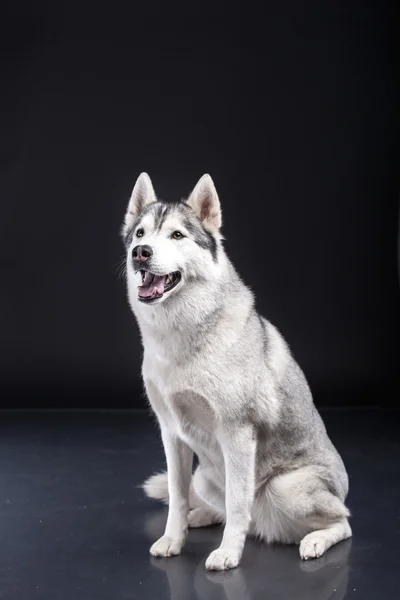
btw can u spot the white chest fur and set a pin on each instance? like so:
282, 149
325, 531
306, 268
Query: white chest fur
181, 402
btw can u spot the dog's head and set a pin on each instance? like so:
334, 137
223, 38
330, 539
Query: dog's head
170, 245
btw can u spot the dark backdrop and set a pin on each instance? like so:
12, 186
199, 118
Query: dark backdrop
290, 107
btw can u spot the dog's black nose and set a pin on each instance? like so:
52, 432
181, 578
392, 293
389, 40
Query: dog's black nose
142, 253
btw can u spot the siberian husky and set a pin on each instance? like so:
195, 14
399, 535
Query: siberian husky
224, 385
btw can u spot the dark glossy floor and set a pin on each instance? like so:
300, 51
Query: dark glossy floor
75, 526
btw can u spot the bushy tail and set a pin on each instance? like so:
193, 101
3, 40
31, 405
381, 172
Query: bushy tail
156, 487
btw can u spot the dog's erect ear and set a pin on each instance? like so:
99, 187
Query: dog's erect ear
205, 203
143, 194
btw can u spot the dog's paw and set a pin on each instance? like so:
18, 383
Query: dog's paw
222, 559
201, 517
313, 545
167, 546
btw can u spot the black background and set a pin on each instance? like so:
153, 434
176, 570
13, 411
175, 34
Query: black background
289, 106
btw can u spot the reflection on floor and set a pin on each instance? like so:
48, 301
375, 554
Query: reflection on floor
272, 570
75, 525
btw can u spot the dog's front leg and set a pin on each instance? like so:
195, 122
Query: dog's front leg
179, 464
239, 450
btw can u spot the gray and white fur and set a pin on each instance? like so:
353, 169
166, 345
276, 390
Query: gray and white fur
223, 385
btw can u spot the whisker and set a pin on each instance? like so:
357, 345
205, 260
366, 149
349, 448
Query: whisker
120, 268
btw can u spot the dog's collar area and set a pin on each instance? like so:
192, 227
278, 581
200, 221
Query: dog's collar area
155, 286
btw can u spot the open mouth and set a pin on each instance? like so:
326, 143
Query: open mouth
155, 286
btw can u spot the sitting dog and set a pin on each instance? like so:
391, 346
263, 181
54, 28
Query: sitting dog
224, 385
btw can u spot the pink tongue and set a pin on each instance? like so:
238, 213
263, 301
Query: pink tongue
153, 284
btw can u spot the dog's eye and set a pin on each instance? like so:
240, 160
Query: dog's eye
177, 235
140, 233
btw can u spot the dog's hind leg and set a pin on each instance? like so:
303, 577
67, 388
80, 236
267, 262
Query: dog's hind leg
207, 501
314, 544
300, 508
203, 517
